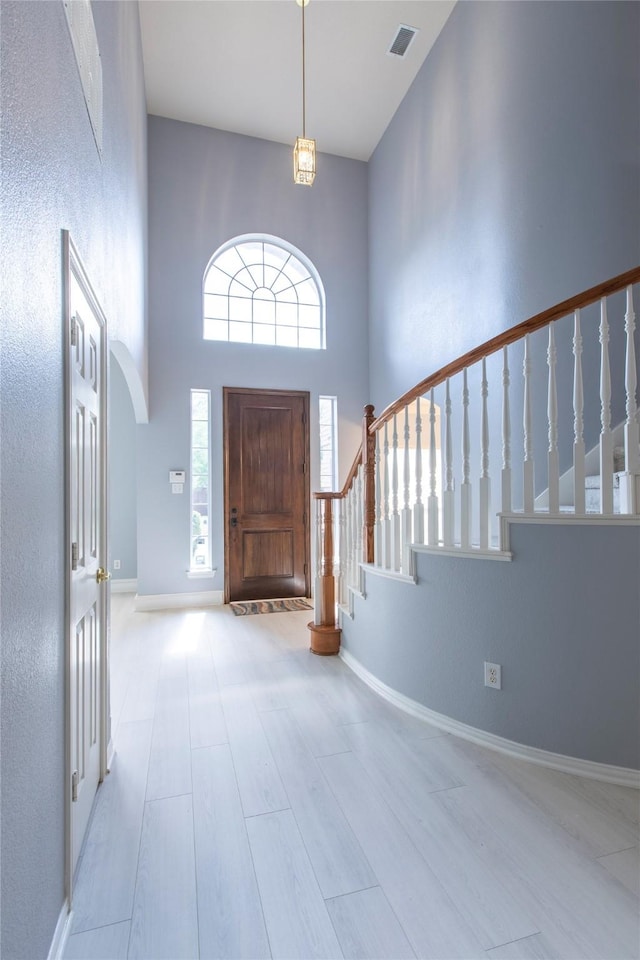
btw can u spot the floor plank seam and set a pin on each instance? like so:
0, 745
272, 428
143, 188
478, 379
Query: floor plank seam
601, 856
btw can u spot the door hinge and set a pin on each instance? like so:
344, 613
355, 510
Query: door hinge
74, 331
74, 785
306, 568
304, 467
74, 556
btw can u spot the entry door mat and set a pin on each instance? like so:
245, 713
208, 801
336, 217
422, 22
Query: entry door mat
243, 609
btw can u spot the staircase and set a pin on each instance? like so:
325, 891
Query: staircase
467, 465
413, 486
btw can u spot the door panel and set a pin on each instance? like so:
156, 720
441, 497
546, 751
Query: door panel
87, 607
267, 553
266, 494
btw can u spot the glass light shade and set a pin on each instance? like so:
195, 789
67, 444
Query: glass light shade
304, 161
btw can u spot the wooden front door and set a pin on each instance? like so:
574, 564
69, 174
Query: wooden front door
266, 437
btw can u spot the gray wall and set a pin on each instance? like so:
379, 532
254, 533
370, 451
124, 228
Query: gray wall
508, 180
122, 477
52, 178
206, 187
562, 619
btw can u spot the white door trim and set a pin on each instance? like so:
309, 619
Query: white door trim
73, 267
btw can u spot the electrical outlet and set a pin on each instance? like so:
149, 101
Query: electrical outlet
116, 564
493, 675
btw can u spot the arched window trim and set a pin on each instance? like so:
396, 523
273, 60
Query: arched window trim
294, 252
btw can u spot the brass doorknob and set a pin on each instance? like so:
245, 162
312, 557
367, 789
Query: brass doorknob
102, 575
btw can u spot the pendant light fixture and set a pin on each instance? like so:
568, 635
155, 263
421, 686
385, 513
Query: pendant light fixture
304, 152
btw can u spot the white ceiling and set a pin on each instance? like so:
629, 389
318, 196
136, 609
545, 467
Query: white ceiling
237, 65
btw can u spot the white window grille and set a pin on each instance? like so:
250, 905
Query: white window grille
262, 290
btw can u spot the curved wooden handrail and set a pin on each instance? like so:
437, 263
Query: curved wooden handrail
506, 338
496, 343
341, 494
352, 473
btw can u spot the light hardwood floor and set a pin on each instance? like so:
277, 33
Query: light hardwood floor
263, 802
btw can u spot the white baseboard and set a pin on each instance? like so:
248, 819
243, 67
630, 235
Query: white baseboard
624, 776
124, 586
61, 933
178, 601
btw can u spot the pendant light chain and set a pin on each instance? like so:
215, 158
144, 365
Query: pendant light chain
304, 98
304, 152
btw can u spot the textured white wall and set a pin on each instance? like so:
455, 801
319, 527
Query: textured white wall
52, 178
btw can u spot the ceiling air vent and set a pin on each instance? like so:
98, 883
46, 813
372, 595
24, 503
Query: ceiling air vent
402, 40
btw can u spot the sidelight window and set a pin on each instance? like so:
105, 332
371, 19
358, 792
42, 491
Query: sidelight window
328, 443
200, 480
262, 290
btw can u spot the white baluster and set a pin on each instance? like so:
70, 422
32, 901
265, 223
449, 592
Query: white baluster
528, 466
606, 438
406, 510
506, 434
386, 521
485, 481
395, 516
418, 509
359, 534
342, 550
432, 502
349, 545
465, 486
552, 416
448, 497
629, 492
379, 519
579, 469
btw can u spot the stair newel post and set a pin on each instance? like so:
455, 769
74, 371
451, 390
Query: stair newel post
433, 534
579, 467
448, 499
406, 509
552, 416
385, 559
324, 630
606, 437
395, 515
465, 486
630, 485
369, 484
506, 434
418, 508
319, 521
528, 465
485, 480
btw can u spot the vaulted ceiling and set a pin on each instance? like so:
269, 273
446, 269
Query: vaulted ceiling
237, 65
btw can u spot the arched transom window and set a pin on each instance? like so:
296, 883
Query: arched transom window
259, 290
